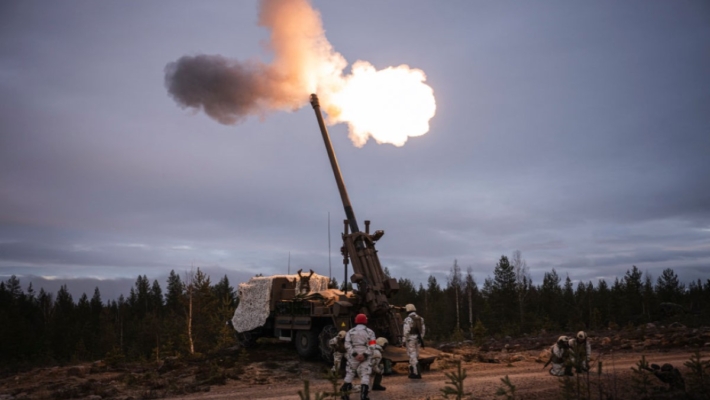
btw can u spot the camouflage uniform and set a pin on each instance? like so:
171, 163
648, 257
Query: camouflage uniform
357, 342
580, 354
337, 344
376, 360
413, 329
378, 367
560, 358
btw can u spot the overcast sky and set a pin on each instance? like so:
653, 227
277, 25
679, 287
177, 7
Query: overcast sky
575, 132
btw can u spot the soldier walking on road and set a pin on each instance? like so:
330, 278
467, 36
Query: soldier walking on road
378, 367
413, 331
358, 344
337, 344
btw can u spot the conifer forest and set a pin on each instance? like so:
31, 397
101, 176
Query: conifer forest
187, 314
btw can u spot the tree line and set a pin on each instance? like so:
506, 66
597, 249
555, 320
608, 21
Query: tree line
509, 303
148, 324
189, 316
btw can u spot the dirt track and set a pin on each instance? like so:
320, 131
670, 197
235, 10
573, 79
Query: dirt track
273, 371
531, 381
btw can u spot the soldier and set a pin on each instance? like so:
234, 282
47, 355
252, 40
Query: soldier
337, 344
580, 352
378, 366
559, 357
670, 375
413, 331
358, 343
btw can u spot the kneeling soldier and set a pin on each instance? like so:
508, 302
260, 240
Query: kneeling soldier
560, 358
337, 344
378, 366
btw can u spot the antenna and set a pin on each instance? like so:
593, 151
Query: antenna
330, 273
289, 263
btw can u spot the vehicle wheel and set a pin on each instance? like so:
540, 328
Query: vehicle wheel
326, 334
425, 366
306, 344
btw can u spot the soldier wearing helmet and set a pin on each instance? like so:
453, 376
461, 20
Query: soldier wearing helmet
560, 357
413, 330
580, 352
378, 367
337, 345
358, 345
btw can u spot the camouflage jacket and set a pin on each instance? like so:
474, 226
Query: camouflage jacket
413, 325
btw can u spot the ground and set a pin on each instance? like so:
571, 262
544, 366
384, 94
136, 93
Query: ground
273, 371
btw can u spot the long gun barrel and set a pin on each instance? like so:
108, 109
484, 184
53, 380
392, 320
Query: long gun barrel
349, 213
373, 286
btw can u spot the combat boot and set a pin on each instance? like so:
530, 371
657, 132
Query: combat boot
378, 381
363, 392
416, 373
412, 375
345, 390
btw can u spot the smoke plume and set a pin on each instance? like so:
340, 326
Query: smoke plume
304, 62
229, 90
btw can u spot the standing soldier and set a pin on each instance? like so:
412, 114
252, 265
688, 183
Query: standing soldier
337, 344
559, 357
358, 343
378, 366
413, 331
581, 352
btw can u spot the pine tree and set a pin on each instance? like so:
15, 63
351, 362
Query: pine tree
550, 307
668, 287
454, 286
503, 295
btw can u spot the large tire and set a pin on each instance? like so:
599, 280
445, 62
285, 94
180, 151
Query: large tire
326, 334
307, 344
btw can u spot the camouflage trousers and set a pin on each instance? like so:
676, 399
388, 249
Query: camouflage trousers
581, 365
361, 368
337, 361
377, 366
558, 369
413, 350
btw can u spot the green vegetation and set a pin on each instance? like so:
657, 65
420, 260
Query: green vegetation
698, 380
641, 379
455, 381
507, 390
187, 316
508, 303
147, 325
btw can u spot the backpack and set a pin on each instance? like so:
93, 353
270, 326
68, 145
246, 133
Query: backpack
416, 328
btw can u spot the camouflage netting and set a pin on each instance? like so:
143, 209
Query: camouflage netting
255, 294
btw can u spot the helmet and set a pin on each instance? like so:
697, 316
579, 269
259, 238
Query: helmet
361, 319
342, 334
562, 339
410, 308
382, 342
581, 336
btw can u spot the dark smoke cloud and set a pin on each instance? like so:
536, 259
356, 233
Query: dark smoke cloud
229, 90
225, 89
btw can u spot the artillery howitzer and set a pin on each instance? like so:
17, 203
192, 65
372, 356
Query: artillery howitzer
278, 306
